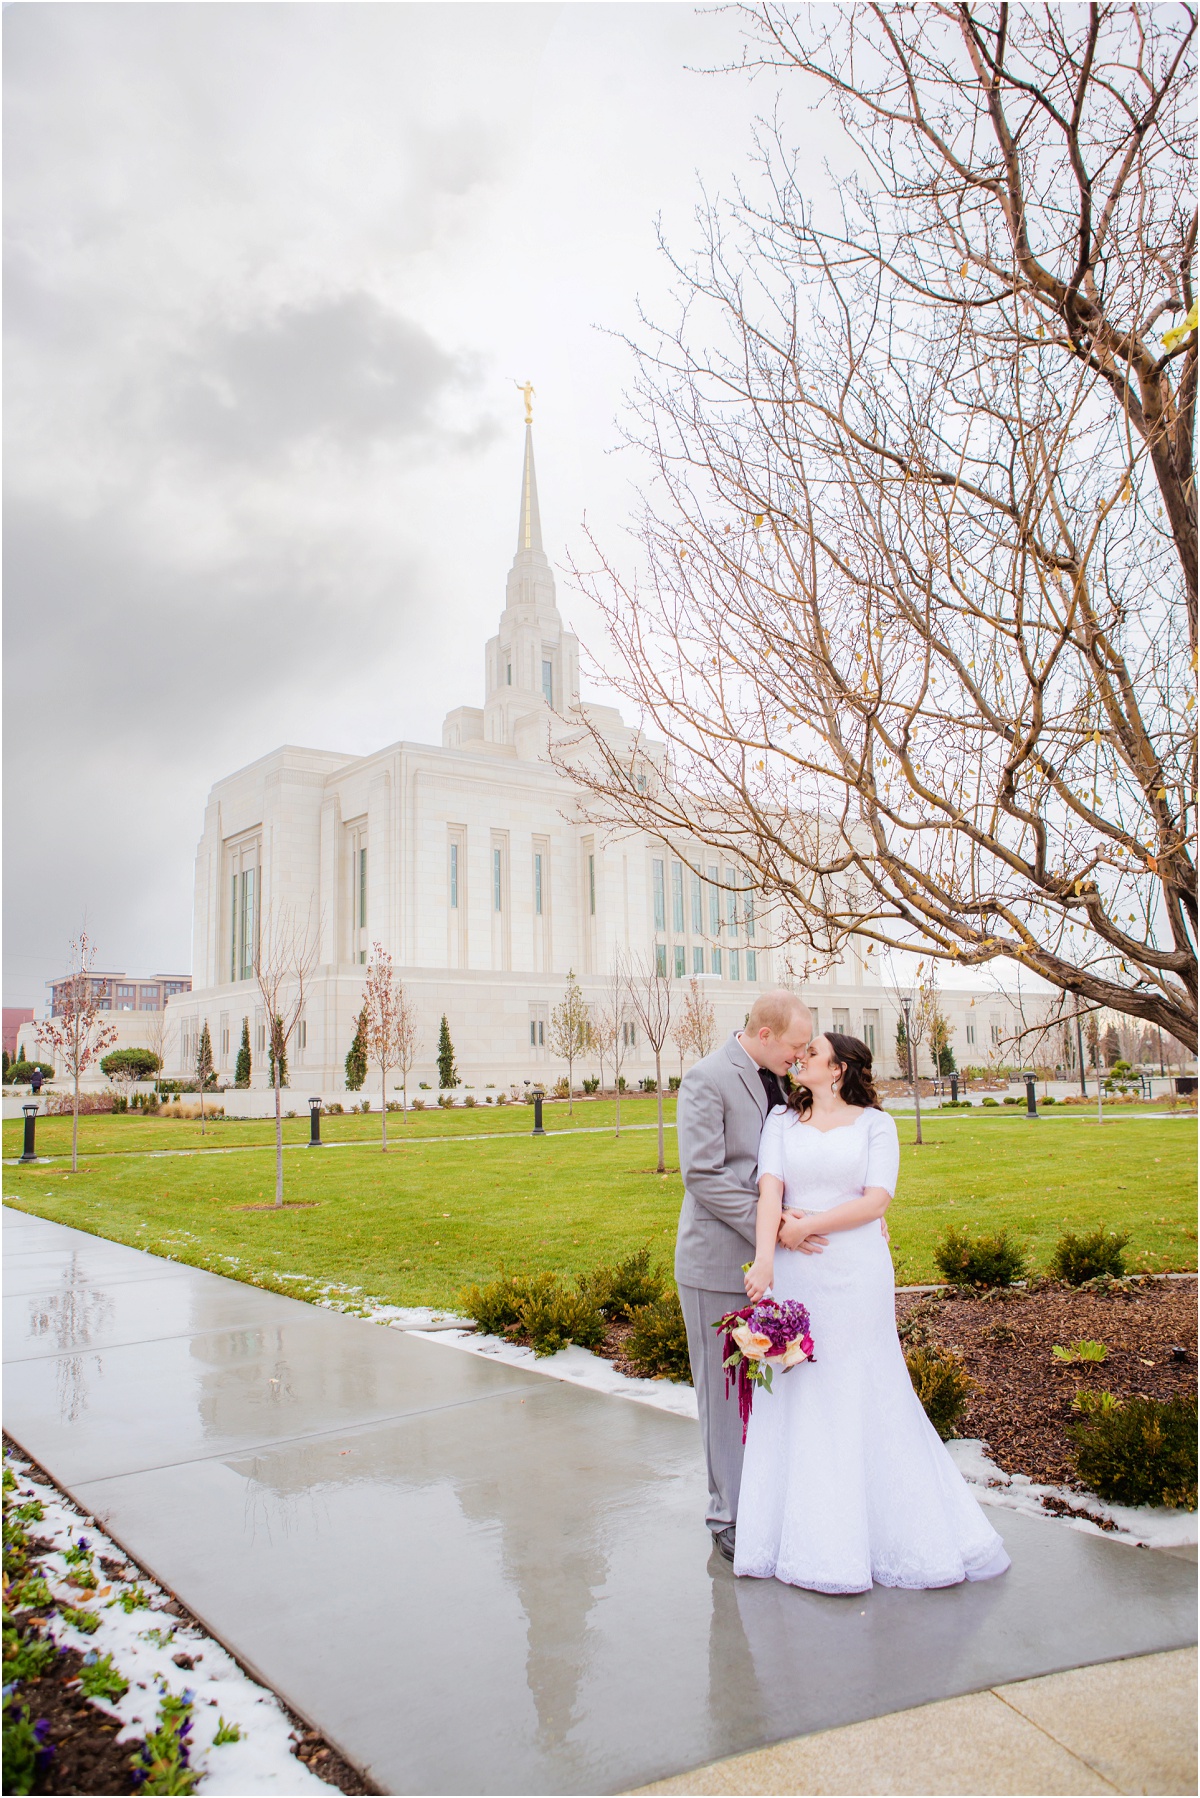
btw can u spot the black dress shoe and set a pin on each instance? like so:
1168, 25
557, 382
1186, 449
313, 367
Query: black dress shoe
725, 1540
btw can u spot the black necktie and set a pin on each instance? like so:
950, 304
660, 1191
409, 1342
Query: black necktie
771, 1087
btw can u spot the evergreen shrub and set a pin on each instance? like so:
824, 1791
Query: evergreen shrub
619, 1289
559, 1315
591, 1086
943, 1385
657, 1347
1140, 1451
981, 1261
988, 1101
1077, 1259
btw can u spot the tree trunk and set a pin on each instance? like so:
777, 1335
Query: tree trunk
75, 1126
570, 1089
617, 1096
662, 1160
278, 1139
383, 1101
916, 1086
202, 1104
404, 1093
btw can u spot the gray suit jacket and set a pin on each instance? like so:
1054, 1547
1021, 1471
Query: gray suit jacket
722, 1106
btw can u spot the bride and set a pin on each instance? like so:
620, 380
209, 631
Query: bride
845, 1481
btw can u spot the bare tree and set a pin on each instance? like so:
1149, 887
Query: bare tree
284, 958
570, 1033
695, 1029
156, 1039
917, 626
611, 1026
649, 990
78, 1034
391, 1026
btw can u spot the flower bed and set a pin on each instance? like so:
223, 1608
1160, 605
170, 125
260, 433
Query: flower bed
110, 1686
1023, 1404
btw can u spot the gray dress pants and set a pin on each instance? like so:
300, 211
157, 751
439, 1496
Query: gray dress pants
720, 1425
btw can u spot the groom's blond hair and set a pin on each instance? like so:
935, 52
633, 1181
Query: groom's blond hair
775, 1011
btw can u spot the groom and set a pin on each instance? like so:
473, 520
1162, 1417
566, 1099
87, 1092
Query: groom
723, 1102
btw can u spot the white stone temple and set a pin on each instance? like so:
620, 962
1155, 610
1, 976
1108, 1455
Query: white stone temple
474, 867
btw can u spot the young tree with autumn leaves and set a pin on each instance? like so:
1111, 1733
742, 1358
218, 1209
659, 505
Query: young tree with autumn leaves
79, 1032
390, 1027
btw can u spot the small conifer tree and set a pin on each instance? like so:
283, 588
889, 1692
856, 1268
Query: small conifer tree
241, 1069
356, 1059
278, 1044
205, 1073
447, 1072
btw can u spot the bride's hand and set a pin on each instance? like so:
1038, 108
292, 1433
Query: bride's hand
799, 1230
757, 1278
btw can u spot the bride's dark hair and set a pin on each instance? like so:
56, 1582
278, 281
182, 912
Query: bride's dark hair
856, 1086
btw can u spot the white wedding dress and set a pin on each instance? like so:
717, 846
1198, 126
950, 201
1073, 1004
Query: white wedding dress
845, 1480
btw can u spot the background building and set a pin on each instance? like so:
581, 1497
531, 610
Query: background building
473, 865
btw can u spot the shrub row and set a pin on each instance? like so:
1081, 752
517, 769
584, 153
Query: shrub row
549, 1313
997, 1260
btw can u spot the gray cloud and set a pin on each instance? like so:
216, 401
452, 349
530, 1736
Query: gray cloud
346, 369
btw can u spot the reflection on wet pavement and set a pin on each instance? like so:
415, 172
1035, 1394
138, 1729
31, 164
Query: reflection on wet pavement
472, 1579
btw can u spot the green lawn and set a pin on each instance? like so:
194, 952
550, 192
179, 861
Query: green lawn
412, 1227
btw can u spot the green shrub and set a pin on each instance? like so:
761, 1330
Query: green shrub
470, 1100
139, 1064
649, 1084
1049, 1099
21, 1072
1079, 1258
1138, 1452
988, 1100
657, 1344
983, 1261
591, 1086
942, 1384
618, 1290
499, 1306
1009, 1099
560, 1315
674, 1082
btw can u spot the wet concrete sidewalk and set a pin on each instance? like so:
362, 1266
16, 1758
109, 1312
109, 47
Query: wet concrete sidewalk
473, 1579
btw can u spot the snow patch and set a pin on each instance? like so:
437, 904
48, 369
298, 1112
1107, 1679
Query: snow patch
142, 1643
577, 1366
1146, 1526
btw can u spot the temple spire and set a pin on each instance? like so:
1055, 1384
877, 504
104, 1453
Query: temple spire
529, 527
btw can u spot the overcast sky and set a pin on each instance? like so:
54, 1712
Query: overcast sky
271, 273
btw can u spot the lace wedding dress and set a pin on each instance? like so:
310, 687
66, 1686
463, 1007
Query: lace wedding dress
845, 1480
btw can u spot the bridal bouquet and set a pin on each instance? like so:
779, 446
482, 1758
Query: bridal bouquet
758, 1339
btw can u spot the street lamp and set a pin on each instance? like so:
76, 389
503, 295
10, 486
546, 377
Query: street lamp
539, 1094
1079, 1041
29, 1154
906, 1004
314, 1124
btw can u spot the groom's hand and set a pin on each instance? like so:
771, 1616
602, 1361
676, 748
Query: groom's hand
792, 1236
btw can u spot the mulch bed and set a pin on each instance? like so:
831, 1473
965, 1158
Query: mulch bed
1023, 1403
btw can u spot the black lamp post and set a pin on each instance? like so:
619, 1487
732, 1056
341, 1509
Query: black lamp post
1031, 1095
1082, 1063
314, 1124
30, 1153
538, 1096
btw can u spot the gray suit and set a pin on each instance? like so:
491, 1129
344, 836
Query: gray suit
722, 1106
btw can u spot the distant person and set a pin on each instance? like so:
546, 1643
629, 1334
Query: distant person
36, 1078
